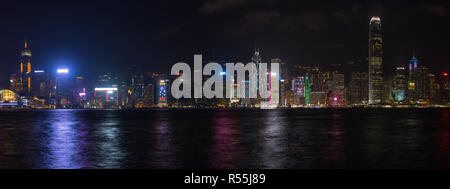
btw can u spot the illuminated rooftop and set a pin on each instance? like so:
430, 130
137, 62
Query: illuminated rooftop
375, 19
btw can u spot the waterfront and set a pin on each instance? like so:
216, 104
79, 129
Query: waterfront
213, 138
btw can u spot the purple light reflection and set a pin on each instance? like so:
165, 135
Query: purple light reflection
225, 153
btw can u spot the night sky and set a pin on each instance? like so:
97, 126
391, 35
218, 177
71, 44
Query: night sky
93, 37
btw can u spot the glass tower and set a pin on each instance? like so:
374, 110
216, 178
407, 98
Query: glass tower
375, 61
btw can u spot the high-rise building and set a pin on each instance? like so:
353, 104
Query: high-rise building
163, 87
25, 71
444, 88
307, 90
412, 78
15, 84
318, 98
423, 85
388, 90
359, 90
256, 59
337, 82
106, 97
149, 95
298, 87
375, 61
283, 81
42, 85
106, 92
336, 88
400, 83
80, 96
64, 85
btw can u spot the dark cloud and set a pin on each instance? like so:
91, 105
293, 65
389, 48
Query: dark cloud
274, 20
436, 10
290, 23
347, 14
342, 15
355, 7
216, 5
315, 21
256, 21
211, 6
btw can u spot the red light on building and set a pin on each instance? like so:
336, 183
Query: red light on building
445, 74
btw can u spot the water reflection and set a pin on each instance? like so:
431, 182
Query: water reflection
64, 151
110, 152
407, 138
163, 150
225, 142
9, 146
274, 140
443, 152
335, 154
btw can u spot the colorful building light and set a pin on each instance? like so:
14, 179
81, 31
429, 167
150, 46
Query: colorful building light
162, 93
307, 89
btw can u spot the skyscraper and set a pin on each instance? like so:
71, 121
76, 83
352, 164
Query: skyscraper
256, 57
283, 80
298, 87
25, 71
400, 84
375, 61
257, 60
163, 88
412, 79
359, 88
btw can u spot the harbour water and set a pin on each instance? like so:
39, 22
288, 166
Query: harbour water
214, 138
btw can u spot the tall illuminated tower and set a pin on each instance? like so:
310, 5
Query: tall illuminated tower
375, 61
256, 59
307, 90
25, 70
412, 79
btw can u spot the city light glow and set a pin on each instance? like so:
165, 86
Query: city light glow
63, 71
105, 89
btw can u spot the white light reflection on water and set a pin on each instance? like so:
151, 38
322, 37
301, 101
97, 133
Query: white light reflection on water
63, 147
274, 140
110, 152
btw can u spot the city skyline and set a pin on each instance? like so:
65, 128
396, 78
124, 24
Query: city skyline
223, 93
298, 44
